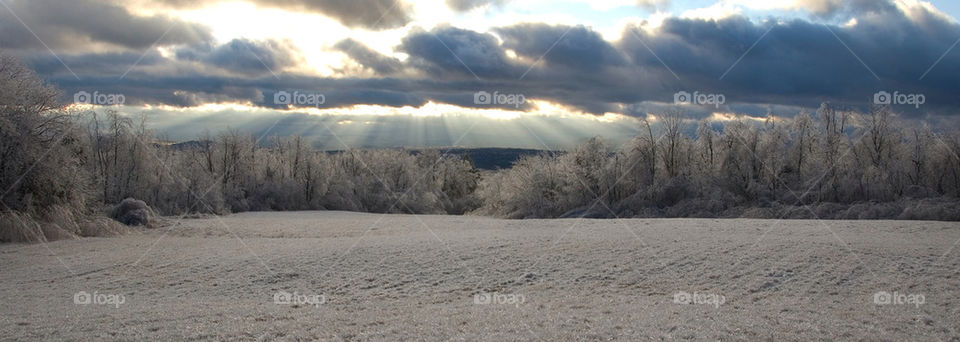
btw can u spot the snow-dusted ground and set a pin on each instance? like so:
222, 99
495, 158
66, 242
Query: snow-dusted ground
400, 277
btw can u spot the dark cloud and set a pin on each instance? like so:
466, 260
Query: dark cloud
380, 64
245, 56
239, 57
193, 89
453, 51
100, 64
573, 47
79, 25
801, 62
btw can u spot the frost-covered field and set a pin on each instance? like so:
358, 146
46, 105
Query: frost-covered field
398, 277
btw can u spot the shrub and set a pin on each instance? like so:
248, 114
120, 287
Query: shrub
133, 212
932, 210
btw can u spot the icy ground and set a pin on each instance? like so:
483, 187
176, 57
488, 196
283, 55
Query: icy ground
354, 276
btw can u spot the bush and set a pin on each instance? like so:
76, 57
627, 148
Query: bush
931, 210
133, 212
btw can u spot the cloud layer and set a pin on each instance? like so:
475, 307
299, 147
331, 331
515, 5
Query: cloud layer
762, 66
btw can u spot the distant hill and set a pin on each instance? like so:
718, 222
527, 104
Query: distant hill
186, 145
493, 158
486, 158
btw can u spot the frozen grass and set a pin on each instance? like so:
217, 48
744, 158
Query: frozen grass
56, 223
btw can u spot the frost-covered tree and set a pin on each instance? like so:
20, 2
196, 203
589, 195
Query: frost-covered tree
41, 146
837, 163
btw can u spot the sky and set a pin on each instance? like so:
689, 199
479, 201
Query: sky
484, 73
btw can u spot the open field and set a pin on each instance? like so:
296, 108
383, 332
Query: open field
401, 277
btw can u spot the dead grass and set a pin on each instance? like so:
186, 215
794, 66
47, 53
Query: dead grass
56, 223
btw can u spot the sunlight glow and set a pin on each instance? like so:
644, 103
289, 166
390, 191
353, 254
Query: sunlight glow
312, 34
716, 11
204, 108
727, 117
430, 109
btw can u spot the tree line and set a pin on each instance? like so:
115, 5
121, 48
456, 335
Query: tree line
830, 164
62, 168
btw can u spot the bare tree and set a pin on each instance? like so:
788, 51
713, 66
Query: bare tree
672, 144
803, 137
